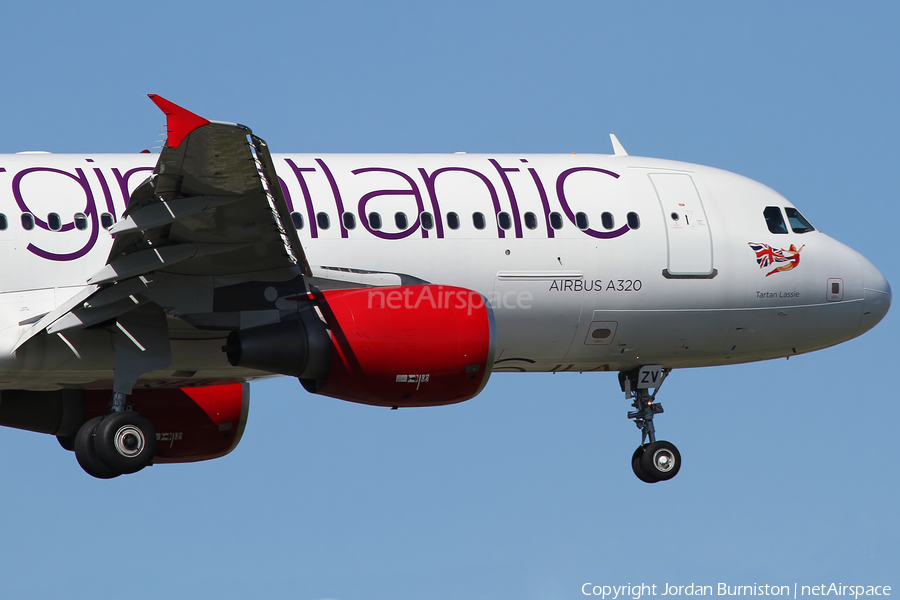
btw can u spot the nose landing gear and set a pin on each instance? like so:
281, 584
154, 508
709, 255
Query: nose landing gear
120, 442
653, 461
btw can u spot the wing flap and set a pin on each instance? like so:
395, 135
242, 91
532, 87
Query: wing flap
164, 213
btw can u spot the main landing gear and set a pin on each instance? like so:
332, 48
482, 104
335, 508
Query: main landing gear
119, 442
657, 460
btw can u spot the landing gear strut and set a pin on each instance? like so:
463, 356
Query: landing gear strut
653, 461
122, 441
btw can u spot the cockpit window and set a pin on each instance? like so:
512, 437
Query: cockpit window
774, 220
798, 223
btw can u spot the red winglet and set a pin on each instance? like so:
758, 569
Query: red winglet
179, 121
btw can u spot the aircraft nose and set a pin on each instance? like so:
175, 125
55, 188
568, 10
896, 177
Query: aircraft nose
876, 296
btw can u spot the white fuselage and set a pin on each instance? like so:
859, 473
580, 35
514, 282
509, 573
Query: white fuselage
591, 262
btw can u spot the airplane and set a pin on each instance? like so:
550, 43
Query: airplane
143, 292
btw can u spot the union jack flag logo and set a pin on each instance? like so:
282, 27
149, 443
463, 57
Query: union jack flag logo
767, 256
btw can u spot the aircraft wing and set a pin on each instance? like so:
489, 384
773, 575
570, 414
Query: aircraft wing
213, 206
209, 232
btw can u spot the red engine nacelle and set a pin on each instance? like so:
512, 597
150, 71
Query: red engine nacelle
419, 345
192, 424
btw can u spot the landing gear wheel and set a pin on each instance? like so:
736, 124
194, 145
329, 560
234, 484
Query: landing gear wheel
637, 468
87, 456
658, 460
125, 441
661, 460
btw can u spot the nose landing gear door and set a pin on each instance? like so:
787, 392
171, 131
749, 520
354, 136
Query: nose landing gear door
687, 229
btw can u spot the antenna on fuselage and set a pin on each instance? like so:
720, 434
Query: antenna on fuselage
618, 149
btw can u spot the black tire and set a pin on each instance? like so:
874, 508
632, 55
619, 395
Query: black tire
87, 456
637, 468
125, 441
661, 460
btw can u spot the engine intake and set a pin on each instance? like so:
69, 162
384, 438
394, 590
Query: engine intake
420, 345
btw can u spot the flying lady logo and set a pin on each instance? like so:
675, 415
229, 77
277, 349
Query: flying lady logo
767, 256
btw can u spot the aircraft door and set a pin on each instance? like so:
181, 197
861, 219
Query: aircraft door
537, 316
687, 229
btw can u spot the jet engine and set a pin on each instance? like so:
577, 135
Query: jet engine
191, 424
415, 345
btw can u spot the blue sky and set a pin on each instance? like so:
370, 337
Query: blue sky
525, 492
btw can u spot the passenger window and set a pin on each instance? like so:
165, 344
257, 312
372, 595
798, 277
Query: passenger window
504, 220
774, 220
106, 220
323, 220
81, 222
581, 220
798, 223
375, 220
27, 221
556, 220
427, 220
349, 221
54, 222
400, 220
530, 220
607, 220
453, 220
478, 220
634, 221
